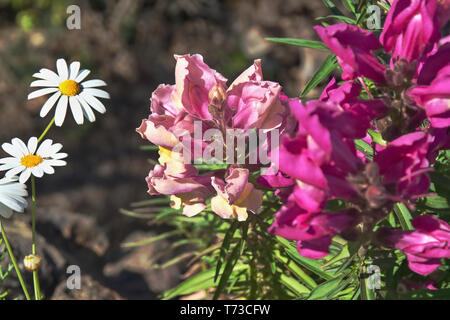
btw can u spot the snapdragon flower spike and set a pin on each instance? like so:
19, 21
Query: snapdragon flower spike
31, 159
68, 88
424, 247
411, 29
12, 196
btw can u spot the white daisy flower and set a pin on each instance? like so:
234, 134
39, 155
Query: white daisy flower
12, 196
67, 88
30, 160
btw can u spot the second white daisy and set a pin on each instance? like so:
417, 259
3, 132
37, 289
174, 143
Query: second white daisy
12, 196
68, 89
28, 159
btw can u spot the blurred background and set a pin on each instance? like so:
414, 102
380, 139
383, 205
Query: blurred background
130, 44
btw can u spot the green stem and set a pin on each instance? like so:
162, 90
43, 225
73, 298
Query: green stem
13, 260
37, 291
46, 129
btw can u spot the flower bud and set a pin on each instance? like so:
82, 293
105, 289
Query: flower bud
32, 262
217, 96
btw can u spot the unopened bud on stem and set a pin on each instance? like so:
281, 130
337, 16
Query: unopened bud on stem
217, 96
32, 262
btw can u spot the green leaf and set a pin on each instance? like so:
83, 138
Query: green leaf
338, 17
228, 269
403, 215
330, 5
296, 270
310, 264
364, 147
300, 43
324, 70
293, 285
441, 294
151, 239
323, 290
377, 138
225, 246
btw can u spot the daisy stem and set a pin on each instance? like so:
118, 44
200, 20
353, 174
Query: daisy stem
37, 290
46, 129
13, 260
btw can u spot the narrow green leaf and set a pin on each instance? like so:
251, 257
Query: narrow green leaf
296, 270
364, 147
300, 43
322, 290
293, 285
225, 246
228, 269
377, 138
403, 215
338, 17
151, 239
330, 5
324, 70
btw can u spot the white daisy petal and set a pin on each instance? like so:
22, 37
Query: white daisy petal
14, 171
19, 144
63, 72
93, 102
5, 211
58, 156
48, 105
32, 145
74, 68
61, 109
43, 147
76, 110
25, 175
56, 163
10, 149
53, 149
97, 93
82, 75
48, 75
44, 83
8, 160
93, 83
48, 169
41, 92
7, 166
37, 171
87, 110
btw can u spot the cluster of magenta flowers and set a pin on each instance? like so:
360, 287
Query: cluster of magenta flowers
412, 113
401, 94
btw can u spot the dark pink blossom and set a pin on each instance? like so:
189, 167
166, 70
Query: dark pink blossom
423, 247
353, 47
411, 29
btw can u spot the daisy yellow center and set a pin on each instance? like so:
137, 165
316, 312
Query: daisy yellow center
31, 160
69, 88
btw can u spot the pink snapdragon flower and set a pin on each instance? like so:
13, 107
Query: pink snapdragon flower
181, 181
235, 195
411, 29
353, 47
432, 91
423, 247
313, 231
402, 165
